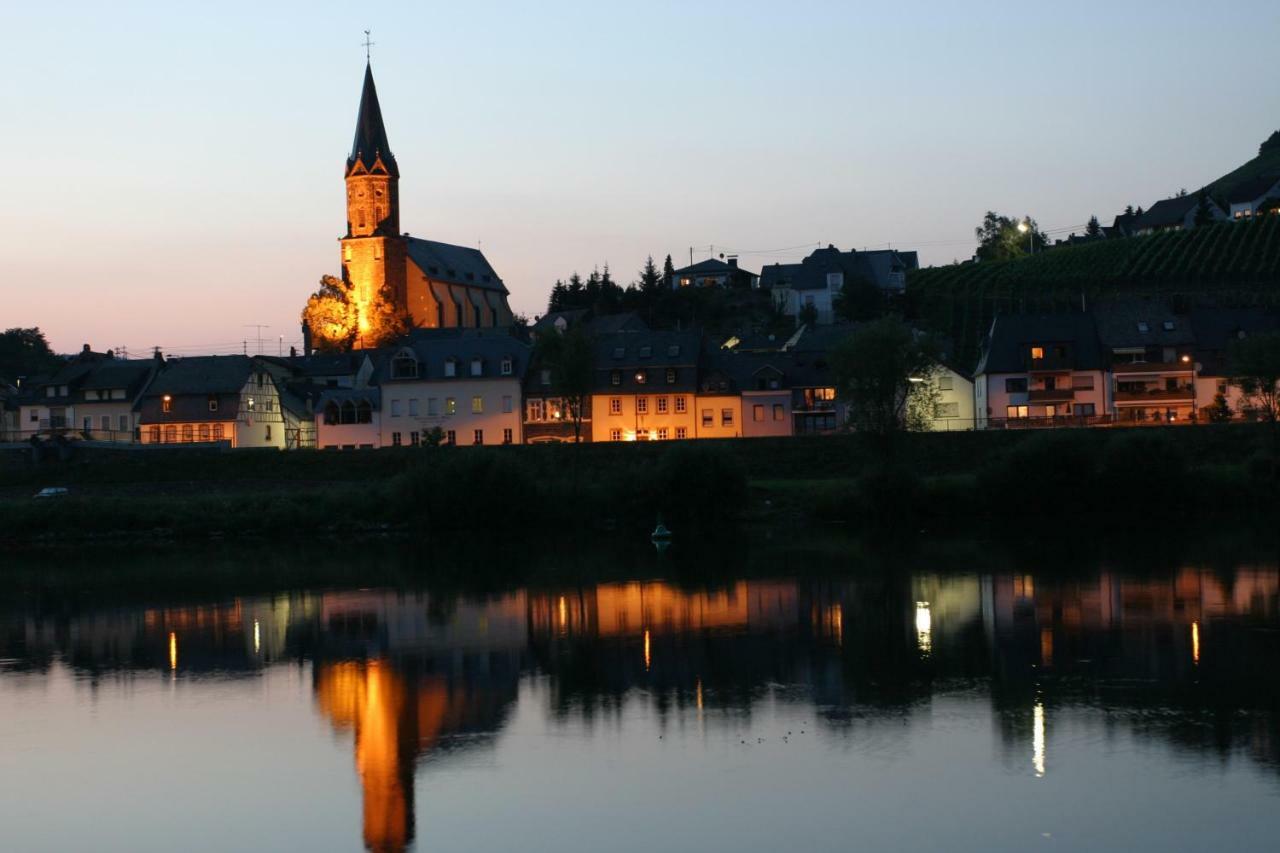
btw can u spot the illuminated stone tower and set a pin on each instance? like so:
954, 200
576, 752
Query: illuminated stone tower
373, 253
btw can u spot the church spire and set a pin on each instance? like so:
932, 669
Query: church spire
370, 144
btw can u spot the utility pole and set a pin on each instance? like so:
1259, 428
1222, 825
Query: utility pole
259, 327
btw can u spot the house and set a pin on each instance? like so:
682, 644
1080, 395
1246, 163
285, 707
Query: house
1040, 368
954, 406
1151, 367
714, 273
47, 406
1215, 330
8, 412
718, 403
1176, 214
1250, 198
761, 380
548, 415
646, 385
199, 399
349, 419
91, 397
818, 279
466, 382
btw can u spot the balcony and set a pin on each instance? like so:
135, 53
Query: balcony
1156, 395
1148, 368
1051, 395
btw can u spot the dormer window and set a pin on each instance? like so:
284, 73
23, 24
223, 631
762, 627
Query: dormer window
1143, 326
619, 352
646, 352
835, 280
544, 376
507, 366
1037, 353
615, 377
404, 365
450, 367
477, 367
673, 350
213, 403
1168, 325
671, 376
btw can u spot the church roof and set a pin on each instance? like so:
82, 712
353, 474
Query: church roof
453, 264
370, 142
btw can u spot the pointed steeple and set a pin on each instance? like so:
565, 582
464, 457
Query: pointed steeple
370, 143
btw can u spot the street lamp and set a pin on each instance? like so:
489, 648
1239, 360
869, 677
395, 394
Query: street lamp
1024, 227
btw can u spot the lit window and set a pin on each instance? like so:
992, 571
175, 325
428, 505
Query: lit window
615, 435
166, 404
662, 405
1037, 353
533, 410
642, 405
682, 432
450, 406
681, 405
477, 405
726, 417
615, 405
757, 413
662, 433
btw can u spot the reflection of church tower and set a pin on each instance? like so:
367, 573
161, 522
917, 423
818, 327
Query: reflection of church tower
372, 251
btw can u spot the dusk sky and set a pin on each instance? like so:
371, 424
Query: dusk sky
176, 169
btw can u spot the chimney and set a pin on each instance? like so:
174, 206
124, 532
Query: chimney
733, 262
158, 356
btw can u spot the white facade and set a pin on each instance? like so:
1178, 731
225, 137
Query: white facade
954, 401
1002, 399
468, 411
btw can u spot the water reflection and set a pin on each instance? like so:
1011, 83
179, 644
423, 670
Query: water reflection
409, 677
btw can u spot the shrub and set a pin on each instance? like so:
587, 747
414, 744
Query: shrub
465, 489
696, 485
1042, 472
1144, 463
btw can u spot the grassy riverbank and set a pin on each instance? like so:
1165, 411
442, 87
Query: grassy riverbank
935, 481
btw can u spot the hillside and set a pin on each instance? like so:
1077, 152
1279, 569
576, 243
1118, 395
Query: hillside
1266, 164
1230, 262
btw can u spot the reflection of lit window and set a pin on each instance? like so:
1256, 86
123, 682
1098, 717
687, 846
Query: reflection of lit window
924, 627
1037, 740
647, 660
1195, 642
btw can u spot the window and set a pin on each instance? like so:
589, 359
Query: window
395, 408
35, 416
682, 432
153, 434
123, 423
946, 382
1082, 383
450, 437
615, 435
506, 436
779, 412
1037, 353
166, 404
507, 366
708, 418
642, 376
1013, 412
477, 367
544, 376
450, 406
267, 435
450, 367
204, 432
414, 439
671, 376
615, 377
948, 410
51, 391
433, 407
757, 413
395, 439
413, 407
478, 437
642, 405
682, 405
1168, 325
188, 432
404, 366
170, 434
88, 423
1015, 386
646, 352
835, 280
726, 417
619, 352
1143, 327
1050, 411
533, 410
506, 404
477, 405
642, 435
661, 405
217, 432
615, 405
1083, 410
106, 423
673, 350
662, 433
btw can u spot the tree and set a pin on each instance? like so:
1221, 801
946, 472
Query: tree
1000, 238
859, 299
650, 283
1219, 412
25, 352
1128, 210
571, 357
1255, 370
668, 271
1204, 215
877, 371
1271, 144
1094, 228
333, 315
383, 321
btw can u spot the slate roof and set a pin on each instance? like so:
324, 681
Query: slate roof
453, 264
625, 351
1008, 348
811, 273
548, 321
370, 141
1252, 190
433, 347
118, 373
1120, 324
202, 375
1216, 329
1169, 211
712, 266
744, 369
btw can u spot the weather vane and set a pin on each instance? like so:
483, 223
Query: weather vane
367, 44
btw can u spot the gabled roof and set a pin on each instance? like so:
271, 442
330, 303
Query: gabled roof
370, 143
712, 266
453, 264
118, 373
1169, 211
1253, 189
1009, 343
1139, 323
202, 374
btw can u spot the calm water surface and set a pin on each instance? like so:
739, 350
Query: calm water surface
880, 709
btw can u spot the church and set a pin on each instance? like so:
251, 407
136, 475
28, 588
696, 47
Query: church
434, 284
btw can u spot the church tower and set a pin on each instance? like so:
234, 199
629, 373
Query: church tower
373, 254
